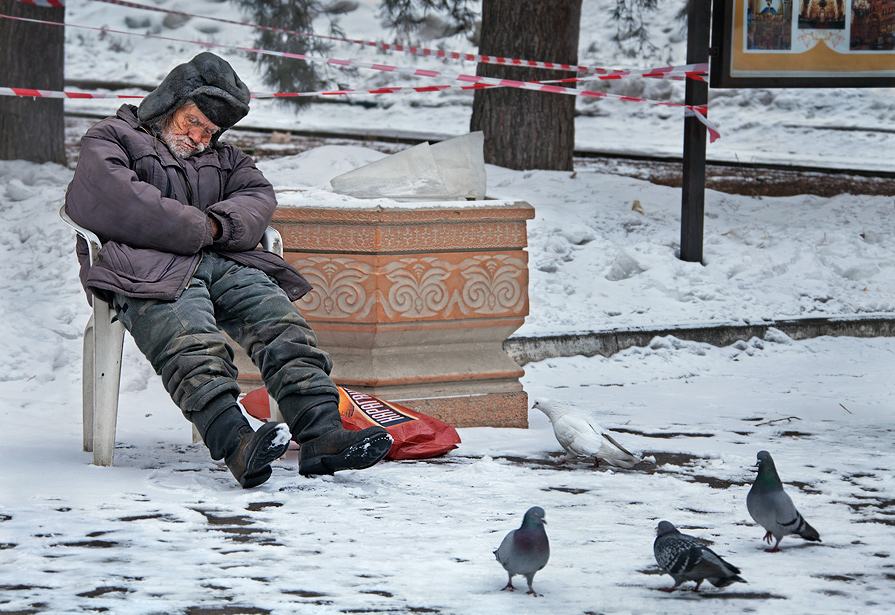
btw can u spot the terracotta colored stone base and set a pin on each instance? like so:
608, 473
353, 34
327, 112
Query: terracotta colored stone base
487, 410
491, 410
414, 302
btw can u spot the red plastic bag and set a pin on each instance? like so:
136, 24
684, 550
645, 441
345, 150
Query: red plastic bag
415, 435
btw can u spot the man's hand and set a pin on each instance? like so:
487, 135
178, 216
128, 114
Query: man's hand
216, 229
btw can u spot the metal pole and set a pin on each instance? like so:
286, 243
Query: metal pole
697, 93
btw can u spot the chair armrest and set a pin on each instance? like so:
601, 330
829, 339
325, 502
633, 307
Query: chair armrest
272, 241
93, 243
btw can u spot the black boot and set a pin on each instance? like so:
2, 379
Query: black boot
325, 446
247, 453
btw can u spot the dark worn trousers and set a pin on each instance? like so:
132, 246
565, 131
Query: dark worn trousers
183, 340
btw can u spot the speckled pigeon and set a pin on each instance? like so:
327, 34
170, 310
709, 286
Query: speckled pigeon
526, 550
772, 508
581, 436
686, 559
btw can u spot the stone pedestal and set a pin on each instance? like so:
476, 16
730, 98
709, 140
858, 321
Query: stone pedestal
414, 301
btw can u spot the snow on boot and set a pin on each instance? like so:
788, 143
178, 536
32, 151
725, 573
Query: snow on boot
250, 462
325, 446
341, 449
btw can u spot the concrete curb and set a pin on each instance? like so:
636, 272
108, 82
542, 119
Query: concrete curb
606, 343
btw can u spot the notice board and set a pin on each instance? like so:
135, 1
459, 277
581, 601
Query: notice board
803, 43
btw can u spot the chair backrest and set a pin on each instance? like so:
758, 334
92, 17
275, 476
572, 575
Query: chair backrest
93, 243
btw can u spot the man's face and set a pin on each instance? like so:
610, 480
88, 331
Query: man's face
188, 131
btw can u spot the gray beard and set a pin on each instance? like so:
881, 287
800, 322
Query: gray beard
176, 143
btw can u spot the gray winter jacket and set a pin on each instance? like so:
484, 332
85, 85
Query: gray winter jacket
150, 210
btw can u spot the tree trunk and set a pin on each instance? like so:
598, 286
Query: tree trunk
32, 56
526, 129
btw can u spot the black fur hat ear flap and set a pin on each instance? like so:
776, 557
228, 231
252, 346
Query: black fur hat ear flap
207, 80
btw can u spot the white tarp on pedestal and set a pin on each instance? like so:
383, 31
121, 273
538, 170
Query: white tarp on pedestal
449, 170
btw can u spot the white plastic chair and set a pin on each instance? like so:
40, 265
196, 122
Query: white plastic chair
101, 363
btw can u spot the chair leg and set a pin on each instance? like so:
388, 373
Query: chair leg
108, 346
101, 380
87, 399
274, 410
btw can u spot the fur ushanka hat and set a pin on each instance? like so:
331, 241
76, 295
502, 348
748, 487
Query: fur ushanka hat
207, 80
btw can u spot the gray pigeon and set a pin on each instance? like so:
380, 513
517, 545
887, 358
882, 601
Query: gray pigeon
772, 508
686, 559
526, 550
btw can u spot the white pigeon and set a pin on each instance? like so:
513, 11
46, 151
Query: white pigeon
581, 436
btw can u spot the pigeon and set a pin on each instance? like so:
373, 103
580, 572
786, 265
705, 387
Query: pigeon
772, 508
580, 436
526, 550
685, 558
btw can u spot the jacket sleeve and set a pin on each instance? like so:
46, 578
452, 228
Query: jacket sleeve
248, 205
107, 197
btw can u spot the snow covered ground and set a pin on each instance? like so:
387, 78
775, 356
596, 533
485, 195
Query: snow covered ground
166, 530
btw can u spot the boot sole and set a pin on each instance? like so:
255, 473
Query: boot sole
359, 456
266, 451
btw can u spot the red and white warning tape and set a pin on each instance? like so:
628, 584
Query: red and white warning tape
29, 93
52, 4
33, 93
700, 110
